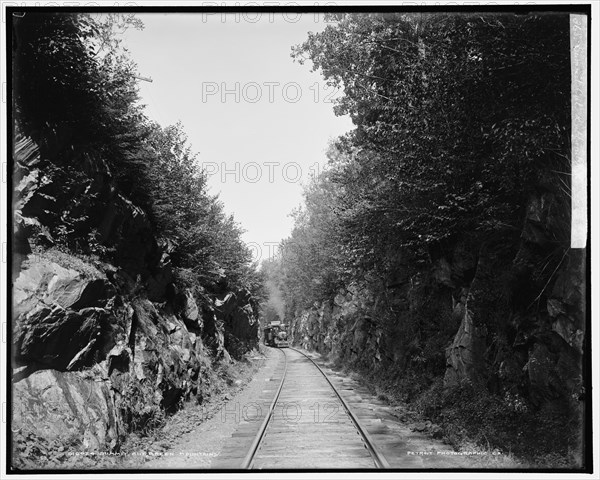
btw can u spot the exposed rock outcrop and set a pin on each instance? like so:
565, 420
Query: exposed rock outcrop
238, 313
73, 319
506, 314
104, 343
63, 411
75, 200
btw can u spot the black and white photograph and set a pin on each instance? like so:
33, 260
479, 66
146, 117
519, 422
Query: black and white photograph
318, 238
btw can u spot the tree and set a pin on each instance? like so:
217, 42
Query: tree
76, 96
455, 117
459, 119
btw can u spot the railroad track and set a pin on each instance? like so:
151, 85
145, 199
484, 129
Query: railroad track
301, 421
309, 425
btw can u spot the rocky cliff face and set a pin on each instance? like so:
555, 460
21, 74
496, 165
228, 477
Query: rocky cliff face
103, 342
506, 314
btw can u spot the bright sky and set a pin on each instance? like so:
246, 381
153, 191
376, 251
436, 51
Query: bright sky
260, 121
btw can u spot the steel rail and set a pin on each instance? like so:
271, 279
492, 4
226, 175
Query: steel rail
248, 459
379, 458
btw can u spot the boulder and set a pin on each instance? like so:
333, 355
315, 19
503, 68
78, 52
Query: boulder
43, 281
436, 431
69, 409
59, 338
237, 314
421, 426
61, 315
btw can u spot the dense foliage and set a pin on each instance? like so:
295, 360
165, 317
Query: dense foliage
459, 119
76, 91
461, 125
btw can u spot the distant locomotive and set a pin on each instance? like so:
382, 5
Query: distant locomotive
275, 335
